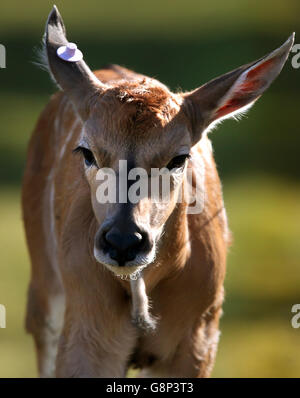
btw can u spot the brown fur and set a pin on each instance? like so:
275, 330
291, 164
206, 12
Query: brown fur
144, 104
85, 319
185, 290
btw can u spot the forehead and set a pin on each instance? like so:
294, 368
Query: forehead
135, 115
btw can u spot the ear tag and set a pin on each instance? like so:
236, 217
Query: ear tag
69, 53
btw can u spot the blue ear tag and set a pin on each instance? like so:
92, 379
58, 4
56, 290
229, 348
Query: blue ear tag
69, 53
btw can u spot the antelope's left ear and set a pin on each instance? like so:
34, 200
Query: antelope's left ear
75, 78
235, 91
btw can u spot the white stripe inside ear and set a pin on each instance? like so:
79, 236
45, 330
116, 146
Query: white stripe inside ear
235, 91
251, 84
236, 115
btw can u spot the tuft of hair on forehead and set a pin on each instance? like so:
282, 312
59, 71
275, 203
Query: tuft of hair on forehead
145, 104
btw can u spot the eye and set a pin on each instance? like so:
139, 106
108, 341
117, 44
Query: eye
89, 159
178, 161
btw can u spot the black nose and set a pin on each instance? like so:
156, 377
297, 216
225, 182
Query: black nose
123, 247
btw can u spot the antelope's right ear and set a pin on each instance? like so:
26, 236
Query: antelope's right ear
75, 78
235, 91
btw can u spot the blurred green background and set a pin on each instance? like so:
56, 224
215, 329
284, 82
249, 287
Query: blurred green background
184, 44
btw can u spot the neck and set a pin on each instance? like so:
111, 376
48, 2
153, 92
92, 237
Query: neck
175, 240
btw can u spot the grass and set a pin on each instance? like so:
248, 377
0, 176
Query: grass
17, 351
262, 280
265, 220
258, 348
262, 283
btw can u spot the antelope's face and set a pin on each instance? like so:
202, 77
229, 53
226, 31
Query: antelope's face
141, 125
135, 145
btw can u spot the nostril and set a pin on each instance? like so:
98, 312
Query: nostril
145, 243
113, 254
113, 239
136, 239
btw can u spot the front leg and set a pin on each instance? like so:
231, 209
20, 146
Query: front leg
98, 336
194, 355
94, 345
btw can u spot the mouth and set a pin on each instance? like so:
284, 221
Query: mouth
127, 268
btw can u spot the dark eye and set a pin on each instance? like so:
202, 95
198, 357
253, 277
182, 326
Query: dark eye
89, 159
178, 161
